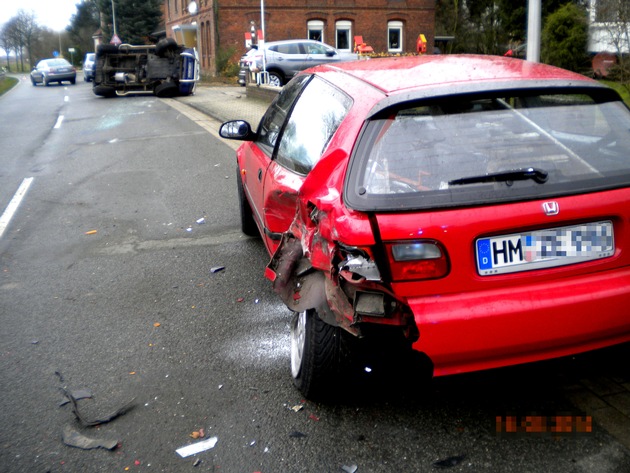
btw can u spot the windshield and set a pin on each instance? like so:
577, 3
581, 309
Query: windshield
469, 150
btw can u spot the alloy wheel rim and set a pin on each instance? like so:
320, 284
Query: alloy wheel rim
298, 339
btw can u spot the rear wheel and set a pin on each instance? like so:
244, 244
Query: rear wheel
248, 224
104, 91
164, 46
319, 354
166, 90
275, 79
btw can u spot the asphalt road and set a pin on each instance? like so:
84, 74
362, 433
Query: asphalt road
107, 284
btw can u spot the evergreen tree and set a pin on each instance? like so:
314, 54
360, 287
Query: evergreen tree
136, 20
83, 24
565, 38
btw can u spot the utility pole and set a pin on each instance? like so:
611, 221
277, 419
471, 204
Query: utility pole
533, 30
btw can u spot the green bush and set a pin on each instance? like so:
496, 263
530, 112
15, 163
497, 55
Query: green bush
565, 38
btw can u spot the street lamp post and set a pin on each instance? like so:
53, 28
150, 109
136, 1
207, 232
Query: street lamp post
114, 18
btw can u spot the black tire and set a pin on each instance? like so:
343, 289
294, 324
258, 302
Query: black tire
166, 90
104, 91
73, 81
319, 355
164, 46
34, 83
45, 81
106, 49
276, 79
248, 224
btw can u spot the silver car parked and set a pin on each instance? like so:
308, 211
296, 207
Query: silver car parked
284, 59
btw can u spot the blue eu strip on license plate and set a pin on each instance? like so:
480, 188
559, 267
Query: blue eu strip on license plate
547, 248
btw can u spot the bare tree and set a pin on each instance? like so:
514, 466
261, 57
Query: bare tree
612, 22
28, 29
6, 43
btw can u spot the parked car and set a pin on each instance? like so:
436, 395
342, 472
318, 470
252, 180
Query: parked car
245, 64
88, 67
470, 212
53, 70
165, 69
284, 59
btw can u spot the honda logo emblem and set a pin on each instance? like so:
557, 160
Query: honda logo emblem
551, 208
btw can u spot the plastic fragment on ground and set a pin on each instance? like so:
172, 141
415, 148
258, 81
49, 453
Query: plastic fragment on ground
449, 462
216, 269
198, 447
350, 468
201, 221
73, 438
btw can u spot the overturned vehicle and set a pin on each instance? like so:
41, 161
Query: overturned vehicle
455, 213
165, 69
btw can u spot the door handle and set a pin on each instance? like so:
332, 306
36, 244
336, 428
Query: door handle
260, 175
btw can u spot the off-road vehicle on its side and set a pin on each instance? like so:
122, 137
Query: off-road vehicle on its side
165, 69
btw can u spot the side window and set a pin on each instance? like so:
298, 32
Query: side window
315, 117
271, 123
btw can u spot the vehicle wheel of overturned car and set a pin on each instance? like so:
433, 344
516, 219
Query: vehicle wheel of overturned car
164, 46
166, 90
104, 91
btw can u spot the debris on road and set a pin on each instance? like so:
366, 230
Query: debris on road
216, 269
297, 435
77, 395
350, 468
91, 422
449, 462
201, 221
74, 438
91, 232
297, 408
198, 447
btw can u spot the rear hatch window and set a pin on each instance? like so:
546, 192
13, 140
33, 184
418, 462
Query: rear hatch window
490, 148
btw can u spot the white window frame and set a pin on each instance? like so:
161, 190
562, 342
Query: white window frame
343, 25
395, 26
315, 25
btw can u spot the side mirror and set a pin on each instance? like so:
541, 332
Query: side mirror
237, 130
330, 53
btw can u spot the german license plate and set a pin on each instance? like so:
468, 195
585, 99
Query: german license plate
547, 248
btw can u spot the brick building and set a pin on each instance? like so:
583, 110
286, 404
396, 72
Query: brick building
390, 26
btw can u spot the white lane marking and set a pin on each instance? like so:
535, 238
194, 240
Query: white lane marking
66, 99
59, 121
14, 204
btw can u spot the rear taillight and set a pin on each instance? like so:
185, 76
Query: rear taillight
414, 260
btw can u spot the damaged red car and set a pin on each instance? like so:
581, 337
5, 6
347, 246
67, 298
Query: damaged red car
469, 211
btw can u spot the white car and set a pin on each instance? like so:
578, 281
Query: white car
284, 59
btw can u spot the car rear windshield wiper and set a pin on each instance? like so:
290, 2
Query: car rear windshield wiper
537, 175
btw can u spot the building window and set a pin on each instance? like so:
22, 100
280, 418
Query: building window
394, 36
315, 30
343, 31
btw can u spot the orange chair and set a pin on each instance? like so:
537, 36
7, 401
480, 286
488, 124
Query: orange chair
360, 47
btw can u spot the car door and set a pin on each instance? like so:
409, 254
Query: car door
310, 124
319, 53
289, 57
255, 157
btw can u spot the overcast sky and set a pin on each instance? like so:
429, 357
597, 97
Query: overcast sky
55, 14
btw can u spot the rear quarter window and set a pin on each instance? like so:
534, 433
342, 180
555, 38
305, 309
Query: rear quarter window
317, 114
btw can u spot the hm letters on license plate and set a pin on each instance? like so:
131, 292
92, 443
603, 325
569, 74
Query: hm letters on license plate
544, 248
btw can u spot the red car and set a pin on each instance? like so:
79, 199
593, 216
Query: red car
471, 209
